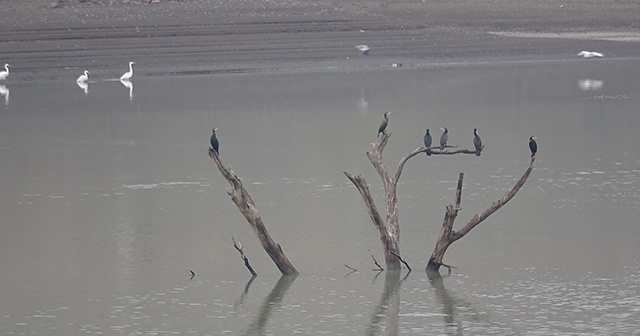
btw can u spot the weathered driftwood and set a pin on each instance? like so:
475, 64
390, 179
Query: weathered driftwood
245, 204
448, 236
389, 228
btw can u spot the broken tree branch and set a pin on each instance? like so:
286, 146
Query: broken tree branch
448, 236
403, 261
376, 262
240, 196
477, 219
240, 249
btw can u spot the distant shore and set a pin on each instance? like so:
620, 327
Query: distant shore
55, 39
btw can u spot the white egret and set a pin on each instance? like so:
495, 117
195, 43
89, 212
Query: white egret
590, 54
128, 75
5, 74
364, 49
83, 78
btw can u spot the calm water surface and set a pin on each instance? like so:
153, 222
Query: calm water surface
108, 199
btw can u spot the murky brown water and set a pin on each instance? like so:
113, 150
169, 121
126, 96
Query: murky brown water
108, 199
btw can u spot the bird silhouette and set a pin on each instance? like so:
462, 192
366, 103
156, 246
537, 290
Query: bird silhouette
533, 145
427, 142
477, 142
215, 145
444, 138
385, 122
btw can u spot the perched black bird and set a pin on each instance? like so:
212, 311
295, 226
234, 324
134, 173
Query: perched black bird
477, 142
444, 138
214, 141
427, 142
533, 145
384, 123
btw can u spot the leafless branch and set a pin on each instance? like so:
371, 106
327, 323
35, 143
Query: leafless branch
240, 249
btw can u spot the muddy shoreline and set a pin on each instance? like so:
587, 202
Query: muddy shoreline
46, 40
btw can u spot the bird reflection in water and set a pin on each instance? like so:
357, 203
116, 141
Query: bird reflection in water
590, 84
4, 91
128, 85
84, 86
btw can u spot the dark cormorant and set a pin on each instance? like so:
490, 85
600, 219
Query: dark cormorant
477, 142
427, 142
444, 137
384, 123
533, 145
214, 141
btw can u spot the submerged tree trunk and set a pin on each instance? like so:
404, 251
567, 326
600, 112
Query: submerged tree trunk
389, 228
448, 236
247, 207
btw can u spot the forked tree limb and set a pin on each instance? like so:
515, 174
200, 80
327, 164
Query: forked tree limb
389, 229
240, 196
448, 236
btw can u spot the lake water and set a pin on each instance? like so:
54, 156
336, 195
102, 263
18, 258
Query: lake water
108, 199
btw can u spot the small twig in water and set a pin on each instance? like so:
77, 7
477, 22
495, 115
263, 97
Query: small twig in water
351, 268
238, 247
402, 260
376, 263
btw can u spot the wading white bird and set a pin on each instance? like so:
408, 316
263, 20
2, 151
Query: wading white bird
4, 74
364, 49
83, 78
128, 75
590, 54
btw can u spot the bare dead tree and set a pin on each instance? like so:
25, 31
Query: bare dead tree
389, 228
240, 196
448, 236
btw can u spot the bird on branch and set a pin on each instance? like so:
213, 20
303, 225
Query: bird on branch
444, 138
215, 145
533, 145
427, 142
477, 142
383, 125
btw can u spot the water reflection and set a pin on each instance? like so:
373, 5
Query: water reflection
590, 84
104, 212
4, 91
389, 303
84, 87
129, 86
240, 301
271, 302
